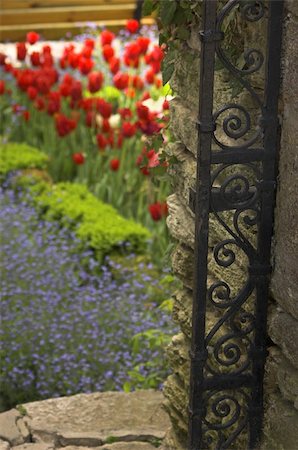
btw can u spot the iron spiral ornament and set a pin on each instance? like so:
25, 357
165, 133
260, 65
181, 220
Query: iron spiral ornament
233, 203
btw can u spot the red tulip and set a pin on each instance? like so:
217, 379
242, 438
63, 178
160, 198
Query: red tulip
35, 59
143, 112
76, 91
114, 64
48, 60
64, 89
95, 80
46, 49
114, 164
150, 76
32, 92
137, 82
87, 52
90, 119
2, 59
121, 80
32, 37
104, 108
132, 25
2, 87
43, 84
125, 113
157, 210
106, 37
107, 52
101, 142
143, 43
26, 115
54, 103
21, 51
64, 125
39, 104
85, 65
132, 54
78, 158
74, 60
89, 43
105, 126
166, 105
128, 129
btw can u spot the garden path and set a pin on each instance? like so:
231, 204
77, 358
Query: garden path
101, 421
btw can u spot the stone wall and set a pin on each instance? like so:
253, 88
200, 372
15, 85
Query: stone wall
184, 113
281, 418
281, 383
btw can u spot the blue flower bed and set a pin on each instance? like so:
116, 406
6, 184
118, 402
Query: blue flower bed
68, 323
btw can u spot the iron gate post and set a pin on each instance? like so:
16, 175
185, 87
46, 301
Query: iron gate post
236, 182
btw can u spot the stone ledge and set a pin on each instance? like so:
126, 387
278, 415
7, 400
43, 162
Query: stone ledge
108, 420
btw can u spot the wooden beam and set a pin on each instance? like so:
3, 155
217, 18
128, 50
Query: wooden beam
21, 4
65, 14
58, 30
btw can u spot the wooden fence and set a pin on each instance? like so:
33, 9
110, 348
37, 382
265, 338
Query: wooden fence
54, 18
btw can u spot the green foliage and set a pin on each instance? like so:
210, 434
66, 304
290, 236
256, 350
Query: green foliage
154, 339
15, 156
97, 224
22, 410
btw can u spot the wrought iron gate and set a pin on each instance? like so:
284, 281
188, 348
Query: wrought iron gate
233, 202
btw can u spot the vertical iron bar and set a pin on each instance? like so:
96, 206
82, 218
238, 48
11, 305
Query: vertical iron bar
271, 147
198, 349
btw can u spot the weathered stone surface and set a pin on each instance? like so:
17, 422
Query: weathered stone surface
185, 78
75, 447
128, 446
184, 172
283, 330
183, 264
4, 445
178, 356
9, 431
280, 427
285, 276
281, 376
194, 41
90, 419
34, 446
182, 310
287, 377
85, 439
183, 124
177, 407
23, 429
292, 7
179, 221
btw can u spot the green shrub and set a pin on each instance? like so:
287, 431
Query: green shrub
16, 156
95, 223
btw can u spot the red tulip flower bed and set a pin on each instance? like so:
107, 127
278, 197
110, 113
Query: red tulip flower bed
99, 111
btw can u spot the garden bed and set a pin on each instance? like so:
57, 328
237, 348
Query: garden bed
84, 307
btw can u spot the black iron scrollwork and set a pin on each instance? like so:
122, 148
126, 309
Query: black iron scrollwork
229, 336
227, 418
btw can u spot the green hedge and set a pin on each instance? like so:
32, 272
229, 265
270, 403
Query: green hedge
97, 224
15, 156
